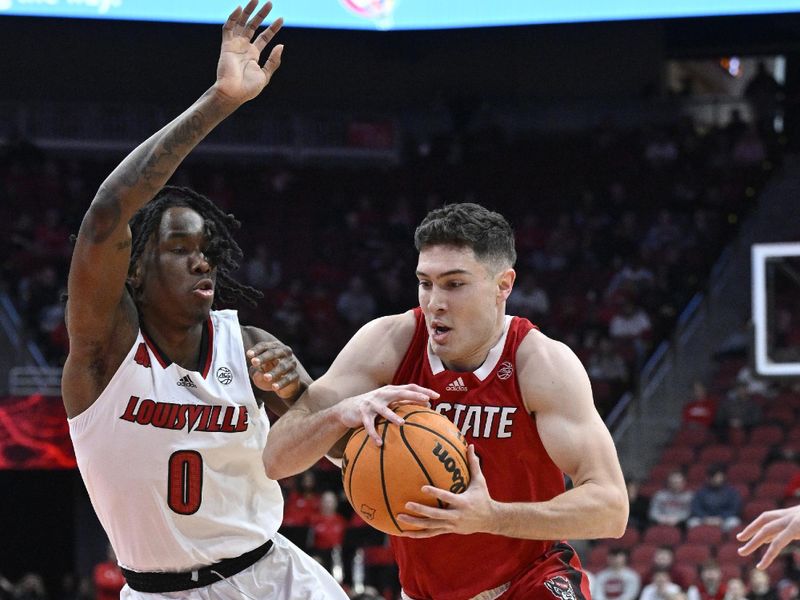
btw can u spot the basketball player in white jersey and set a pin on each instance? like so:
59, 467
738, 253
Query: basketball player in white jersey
168, 431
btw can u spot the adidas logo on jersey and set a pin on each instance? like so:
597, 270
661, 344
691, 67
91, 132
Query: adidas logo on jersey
457, 385
186, 381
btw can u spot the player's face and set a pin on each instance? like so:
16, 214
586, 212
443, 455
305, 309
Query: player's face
176, 276
463, 301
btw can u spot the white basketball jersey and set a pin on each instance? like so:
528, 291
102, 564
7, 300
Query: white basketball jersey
172, 458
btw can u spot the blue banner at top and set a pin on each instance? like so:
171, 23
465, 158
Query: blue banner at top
400, 14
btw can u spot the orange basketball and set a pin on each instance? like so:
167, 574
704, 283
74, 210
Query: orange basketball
426, 450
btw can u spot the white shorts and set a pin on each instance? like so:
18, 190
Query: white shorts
285, 573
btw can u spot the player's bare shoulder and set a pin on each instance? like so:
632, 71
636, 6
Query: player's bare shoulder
377, 349
549, 371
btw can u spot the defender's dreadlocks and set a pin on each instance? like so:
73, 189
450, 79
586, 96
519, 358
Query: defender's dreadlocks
222, 250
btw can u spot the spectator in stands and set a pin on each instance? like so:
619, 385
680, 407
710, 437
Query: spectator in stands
661, 587
735, 590
606, 364
754, 385
262, 271
356, 305
529, 300
664, 560
632, 324
701, 410
788, 590
617, 581
327, 530
672, 504
737, 411
717, 502
301, 505
632, 278
760, 587
637, 505
30, 587
710, 586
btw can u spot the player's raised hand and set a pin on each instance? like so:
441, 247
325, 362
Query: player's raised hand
361, 411
468, 512
773, 528
273, 368
240, 75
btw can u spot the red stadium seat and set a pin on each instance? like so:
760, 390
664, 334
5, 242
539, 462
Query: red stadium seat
781, 415
677, 456
696, 475
729, 553
704, 534
716, 453
643, 555
767, 434
692, 437
596, 559
663, 535
628, 540
781, 471
753, 453
770, 490
730, 571
692, 554
743, 489
755, 507
659, 473
745, 472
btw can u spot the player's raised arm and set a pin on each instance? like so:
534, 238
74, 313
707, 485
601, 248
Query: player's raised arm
102, 251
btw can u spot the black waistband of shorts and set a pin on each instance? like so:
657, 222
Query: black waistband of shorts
158, 583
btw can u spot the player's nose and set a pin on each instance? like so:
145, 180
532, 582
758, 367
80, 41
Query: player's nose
200, 264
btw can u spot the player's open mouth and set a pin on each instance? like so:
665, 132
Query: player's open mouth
439, 332
204, 288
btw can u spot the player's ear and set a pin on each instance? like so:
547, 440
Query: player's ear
505, 282
135, 276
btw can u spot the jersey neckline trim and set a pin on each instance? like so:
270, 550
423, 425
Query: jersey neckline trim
482, 372
206, 348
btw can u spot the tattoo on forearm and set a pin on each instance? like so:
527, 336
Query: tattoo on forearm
102, 218
162, 161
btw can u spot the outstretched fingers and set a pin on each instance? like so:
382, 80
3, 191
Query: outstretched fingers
254, 23
230, 24
265, 37
273, 62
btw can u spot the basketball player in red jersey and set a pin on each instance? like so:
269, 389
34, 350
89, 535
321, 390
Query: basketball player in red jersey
164, 395
522, 400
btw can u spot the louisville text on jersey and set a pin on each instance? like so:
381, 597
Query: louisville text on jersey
193, 417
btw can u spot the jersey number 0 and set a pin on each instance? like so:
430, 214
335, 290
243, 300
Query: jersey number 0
185, 482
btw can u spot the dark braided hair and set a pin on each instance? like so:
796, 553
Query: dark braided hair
222, 251
469, 225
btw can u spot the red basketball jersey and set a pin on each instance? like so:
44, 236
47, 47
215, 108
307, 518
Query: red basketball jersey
487, 406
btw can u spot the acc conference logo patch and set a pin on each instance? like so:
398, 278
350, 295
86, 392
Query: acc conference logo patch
560, 587
224, 375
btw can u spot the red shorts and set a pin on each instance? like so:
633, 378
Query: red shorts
555, 576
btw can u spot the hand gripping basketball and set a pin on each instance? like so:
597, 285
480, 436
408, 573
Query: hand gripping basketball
425, 449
